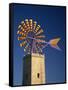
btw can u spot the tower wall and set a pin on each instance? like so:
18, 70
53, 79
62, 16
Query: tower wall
27, 70
37, 69
33, 69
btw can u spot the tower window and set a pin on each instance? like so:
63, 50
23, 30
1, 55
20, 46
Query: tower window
38, 75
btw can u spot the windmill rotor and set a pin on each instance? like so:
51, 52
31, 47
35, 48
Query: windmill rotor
31, 36
33, 40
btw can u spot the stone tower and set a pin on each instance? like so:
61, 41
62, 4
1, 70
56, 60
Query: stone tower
34, 69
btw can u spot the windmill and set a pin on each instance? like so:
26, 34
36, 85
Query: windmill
33, 40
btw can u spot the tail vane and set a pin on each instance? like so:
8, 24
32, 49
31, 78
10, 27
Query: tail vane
54, 43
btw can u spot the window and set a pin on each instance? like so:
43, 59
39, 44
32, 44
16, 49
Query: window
38, 75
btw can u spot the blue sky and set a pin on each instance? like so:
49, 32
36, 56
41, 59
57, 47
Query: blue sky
53, 21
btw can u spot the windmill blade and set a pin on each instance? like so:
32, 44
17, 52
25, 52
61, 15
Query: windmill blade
37, 28
28, 42
39, 49
42, 45
39, 32
40, 36
23, 43
19, 27
27, 24
20, 32
30, 23
36, 48
23, 25
27, 49
34, 25
21, 37
54, 43
26, 46
40, 41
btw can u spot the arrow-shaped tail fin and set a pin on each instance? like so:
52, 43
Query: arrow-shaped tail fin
54, 43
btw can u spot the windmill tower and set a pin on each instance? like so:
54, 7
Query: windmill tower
34, 69
33, 42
